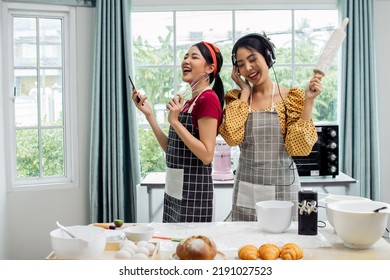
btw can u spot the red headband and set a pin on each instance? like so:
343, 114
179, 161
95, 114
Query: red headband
213, 49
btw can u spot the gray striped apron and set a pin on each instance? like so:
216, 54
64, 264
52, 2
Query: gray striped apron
265, 170
189, 186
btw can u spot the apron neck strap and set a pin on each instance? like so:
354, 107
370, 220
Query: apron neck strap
272, 104
273, 94
196, 98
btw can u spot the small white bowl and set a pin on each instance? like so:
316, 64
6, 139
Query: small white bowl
139, 233
333, 198
356, 223
274, 216
90, 242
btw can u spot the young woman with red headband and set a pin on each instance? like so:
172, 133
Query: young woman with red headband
190, 144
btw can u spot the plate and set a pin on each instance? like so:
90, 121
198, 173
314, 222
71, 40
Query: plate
220, 256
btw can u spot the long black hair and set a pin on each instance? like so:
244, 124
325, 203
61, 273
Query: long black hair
216, 78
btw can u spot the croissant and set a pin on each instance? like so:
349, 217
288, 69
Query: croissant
269, 252
291, 251
248, 252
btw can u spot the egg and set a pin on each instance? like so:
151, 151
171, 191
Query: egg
126, 242
122, 255
129, 245
142, 243
151, 248
142, 250
128, 249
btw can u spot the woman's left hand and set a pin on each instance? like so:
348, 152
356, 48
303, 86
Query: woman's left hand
174, 106
314, 87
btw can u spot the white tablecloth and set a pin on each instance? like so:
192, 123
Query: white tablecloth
229, 236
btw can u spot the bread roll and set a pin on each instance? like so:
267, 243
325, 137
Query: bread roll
197, 247
269, 252
291, 251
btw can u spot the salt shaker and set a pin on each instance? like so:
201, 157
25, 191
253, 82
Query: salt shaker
307, 212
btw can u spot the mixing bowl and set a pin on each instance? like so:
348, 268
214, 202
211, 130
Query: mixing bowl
139, 233
90, 242
333, 198
357, 224
274, 215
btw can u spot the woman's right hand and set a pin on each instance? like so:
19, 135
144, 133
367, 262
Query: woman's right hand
244, 85
141, 103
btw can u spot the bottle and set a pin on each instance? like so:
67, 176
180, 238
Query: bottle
222, 161
307, 212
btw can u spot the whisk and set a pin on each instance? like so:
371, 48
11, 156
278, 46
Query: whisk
195, 82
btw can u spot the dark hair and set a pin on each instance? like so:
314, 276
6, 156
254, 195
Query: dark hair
218, 85
257, 42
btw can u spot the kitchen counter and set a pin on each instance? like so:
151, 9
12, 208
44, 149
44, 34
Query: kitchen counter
229, 236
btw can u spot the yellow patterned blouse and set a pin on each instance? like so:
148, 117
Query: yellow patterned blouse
299, 135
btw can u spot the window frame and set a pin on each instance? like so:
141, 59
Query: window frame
70, 147
210, 5
296, 67
292, 8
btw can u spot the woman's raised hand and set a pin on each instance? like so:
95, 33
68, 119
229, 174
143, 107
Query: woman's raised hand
314, 87
174, 106
244, 85
141, 103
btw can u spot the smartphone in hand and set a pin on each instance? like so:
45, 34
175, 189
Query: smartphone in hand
132, 84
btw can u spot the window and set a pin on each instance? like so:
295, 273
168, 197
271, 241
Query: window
160, 39
41, 117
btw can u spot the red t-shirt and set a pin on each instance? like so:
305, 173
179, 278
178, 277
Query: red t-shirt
207, 105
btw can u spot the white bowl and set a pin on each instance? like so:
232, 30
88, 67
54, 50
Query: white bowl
90, 242
139, 233
274, 215
356, 223
333, 198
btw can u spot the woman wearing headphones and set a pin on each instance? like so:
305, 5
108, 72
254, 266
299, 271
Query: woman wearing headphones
270, 124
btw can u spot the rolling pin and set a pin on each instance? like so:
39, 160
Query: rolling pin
331, 48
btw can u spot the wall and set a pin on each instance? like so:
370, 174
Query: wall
2, 160
31, 215
382, 42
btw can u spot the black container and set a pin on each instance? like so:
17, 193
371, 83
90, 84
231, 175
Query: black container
307, 212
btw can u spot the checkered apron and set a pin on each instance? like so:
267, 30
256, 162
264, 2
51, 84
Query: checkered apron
265, 170
189, 187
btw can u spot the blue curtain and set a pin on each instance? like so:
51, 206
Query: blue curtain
114, 162
359, 108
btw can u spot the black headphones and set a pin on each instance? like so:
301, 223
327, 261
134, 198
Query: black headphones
269, 48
